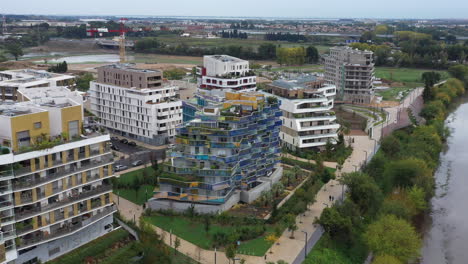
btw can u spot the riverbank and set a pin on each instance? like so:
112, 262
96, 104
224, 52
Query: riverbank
391, 192
444, 229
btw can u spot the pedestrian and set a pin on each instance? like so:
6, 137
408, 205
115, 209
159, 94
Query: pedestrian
329, 197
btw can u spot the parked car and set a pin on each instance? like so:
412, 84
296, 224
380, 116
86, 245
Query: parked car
131, 143
114, 138
120, 167
114, 147
137, 163
170, 146
124, 140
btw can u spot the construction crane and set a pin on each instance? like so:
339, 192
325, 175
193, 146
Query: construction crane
121, 39
4, 26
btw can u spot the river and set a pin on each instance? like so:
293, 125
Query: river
446, 233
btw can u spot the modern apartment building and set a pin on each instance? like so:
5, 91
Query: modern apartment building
13, 80
226, 154
136, 103
352, 72
223, 73
308, 119
55, 190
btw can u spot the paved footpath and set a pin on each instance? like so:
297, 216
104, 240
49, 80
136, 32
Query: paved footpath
289, 249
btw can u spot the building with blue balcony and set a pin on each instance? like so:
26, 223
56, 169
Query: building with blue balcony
227, 153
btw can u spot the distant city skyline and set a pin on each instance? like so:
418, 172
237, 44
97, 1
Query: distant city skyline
398, 9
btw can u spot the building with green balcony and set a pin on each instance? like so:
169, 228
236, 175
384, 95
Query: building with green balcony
226, 154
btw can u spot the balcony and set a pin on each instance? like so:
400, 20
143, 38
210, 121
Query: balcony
71, 199
27, 169
67, 229
29, 184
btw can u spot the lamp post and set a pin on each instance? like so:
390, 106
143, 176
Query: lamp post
215, 256
305, 247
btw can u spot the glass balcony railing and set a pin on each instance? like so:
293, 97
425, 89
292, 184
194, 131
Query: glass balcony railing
68, 228
22, 184
70, 199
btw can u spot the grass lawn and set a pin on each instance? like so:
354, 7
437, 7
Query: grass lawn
145, 191
404, 74
391, 94
194, 232
92, 249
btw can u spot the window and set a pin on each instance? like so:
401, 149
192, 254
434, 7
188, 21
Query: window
37, 125
73, 128
23, 139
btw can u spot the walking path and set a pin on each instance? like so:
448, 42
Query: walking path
289, 249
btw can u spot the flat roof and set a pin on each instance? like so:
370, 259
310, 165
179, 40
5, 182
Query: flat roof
129, 67
225, 58
295, 84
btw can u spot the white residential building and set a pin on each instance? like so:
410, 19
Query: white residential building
12, 81
352, 72
223, 73
308, 119
134, 103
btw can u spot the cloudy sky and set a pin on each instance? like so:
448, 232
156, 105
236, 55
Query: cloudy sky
247, 8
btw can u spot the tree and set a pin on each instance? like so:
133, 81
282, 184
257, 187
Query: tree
230, 252
363, 191
429, 79
312, 54
335, 224
391, 146
289, 176
290, 221
392, 236
176, 244
409, 172
83, 80
460, 72
15, 49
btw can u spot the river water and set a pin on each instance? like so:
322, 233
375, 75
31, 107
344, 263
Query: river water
446, 235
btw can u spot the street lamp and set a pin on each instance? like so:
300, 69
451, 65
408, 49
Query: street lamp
305, 247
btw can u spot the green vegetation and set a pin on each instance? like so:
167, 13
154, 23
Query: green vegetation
82, 81
385, 201
224, 230
406, 75
174, 74
59, 68
136, 186
94, 249
193, 230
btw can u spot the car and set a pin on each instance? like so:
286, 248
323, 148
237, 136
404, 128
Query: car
120, 167
137, 163
131, 143
170, 146
114, 147
114, 138
124, 140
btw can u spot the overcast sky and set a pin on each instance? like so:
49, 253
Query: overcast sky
246, 8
